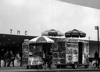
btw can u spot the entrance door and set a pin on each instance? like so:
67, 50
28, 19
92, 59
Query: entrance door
80, 53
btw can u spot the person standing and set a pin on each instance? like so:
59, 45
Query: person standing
5, 57
49, 60
10, 59
2, 54
2, 57
18, 59
96, 55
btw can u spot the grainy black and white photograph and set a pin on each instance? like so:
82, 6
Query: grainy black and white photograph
49, 36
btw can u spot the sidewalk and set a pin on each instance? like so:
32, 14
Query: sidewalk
17, 67
12, 69
23, 69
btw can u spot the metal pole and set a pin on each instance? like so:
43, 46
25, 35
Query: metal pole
98, 45
0, 57
97, 28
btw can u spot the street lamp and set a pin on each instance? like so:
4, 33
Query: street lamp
97, 28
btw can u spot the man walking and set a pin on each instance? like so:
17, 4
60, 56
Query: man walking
10, 59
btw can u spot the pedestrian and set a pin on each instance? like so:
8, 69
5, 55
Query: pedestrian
18, 59
49, 60
95, 62
2, 54
5, 57
44, 60
2, 57
96, 55
10, 59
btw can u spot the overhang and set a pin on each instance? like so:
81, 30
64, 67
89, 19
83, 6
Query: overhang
11, 40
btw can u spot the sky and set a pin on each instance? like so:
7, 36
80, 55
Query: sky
37, 16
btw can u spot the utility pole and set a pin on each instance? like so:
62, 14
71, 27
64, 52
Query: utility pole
97, 28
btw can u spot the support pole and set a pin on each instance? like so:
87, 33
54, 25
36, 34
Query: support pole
97, 28
98, 45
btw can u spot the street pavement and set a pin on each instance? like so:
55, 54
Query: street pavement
23, 69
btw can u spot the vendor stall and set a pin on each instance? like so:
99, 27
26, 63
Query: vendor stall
71, 52
35, 51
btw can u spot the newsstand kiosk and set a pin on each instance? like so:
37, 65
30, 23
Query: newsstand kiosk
71, 52
32, 55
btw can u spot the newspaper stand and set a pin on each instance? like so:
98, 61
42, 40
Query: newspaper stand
71, 52
25, 52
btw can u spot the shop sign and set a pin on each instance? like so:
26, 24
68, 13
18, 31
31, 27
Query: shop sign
72, 40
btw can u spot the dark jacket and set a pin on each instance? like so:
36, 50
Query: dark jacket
96, 55
5, 56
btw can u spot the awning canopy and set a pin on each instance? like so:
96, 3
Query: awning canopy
52, 32
75, 33
41, 39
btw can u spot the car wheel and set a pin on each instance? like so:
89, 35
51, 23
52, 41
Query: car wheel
28, 67
75, 65
94, 65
